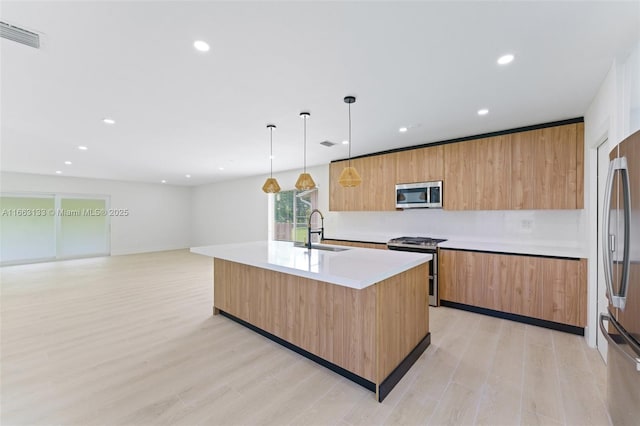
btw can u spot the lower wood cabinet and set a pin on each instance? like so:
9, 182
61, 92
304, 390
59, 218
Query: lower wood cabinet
356, 244
546, 288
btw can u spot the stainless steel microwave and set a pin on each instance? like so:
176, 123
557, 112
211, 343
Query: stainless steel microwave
419, 195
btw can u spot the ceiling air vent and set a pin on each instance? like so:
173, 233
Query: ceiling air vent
328, 144
19, 35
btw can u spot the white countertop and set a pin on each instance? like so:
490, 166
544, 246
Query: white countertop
355, 267
506, 247
540, 248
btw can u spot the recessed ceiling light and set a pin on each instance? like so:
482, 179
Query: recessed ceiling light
505, 59
58, 172
68, 163
163, 181
345, 142
483, 111
187, 176
200, 45
108, 120
402, 129
271, 157
82, 148
220, 168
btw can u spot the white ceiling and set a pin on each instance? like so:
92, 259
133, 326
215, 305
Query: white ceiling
426, 65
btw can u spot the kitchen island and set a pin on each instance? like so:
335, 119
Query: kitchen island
363, 313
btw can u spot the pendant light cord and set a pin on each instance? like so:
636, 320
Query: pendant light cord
271, 151
349, 135
305, 144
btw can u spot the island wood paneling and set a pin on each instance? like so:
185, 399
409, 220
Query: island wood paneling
403, 316
368, 332
544, 288
298, 316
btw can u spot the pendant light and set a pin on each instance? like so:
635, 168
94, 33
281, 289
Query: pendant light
305, 181
271, 185
349, 176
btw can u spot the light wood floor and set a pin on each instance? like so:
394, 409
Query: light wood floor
130, 340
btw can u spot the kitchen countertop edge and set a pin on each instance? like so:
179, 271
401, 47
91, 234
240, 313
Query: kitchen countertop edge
357, 279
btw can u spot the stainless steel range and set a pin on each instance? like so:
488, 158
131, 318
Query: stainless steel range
422, 245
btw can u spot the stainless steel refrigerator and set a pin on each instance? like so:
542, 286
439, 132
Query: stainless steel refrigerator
621, 254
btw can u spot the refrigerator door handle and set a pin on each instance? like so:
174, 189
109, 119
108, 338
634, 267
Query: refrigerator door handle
626, 260
608, 240
605, 317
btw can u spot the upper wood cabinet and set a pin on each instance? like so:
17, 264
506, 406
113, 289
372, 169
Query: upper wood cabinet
477, 174
420, 165
546, 164
377, 191
530, 170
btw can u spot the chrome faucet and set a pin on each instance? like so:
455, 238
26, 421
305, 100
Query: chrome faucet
315, 231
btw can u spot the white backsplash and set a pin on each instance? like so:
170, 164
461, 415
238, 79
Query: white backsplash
563, 228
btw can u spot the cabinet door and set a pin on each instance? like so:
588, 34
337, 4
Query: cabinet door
544, 288
420, 165
478, 174
338, 196
459, 176
522, 290
451, 274
493, 173
564, 291
545, 168
378, 186
580, 165
375, 193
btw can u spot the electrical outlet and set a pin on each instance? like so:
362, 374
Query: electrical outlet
526, 224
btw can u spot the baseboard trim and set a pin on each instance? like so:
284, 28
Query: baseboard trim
515, 317
367, 384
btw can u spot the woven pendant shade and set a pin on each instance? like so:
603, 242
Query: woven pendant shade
305, 182
271, 186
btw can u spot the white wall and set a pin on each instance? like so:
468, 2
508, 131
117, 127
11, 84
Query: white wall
236, 211
555, 227
612, 115
159, 216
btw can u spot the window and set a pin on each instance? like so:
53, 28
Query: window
42, 227
291, 211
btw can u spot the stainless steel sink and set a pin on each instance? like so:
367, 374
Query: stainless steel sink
322, 247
